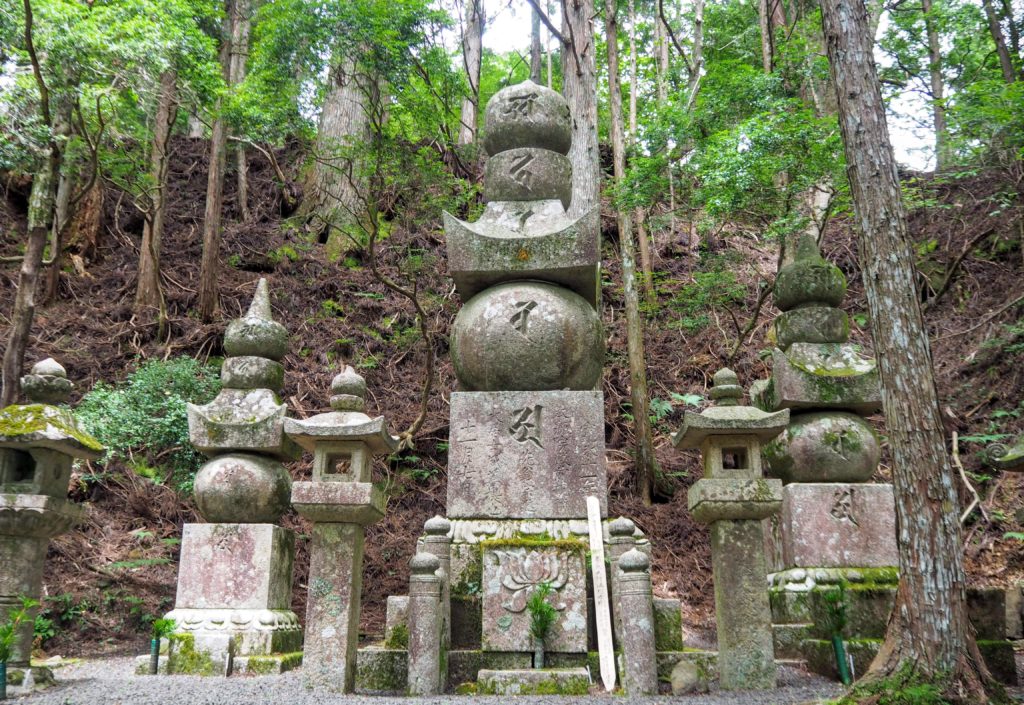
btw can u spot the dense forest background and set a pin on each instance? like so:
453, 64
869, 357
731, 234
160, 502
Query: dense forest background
157, 157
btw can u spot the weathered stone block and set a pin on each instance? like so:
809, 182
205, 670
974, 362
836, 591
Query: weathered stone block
235, 566
270, 664
544, 681
1015, 612
339, 502
822, 376
713, 499
381, 671
241, 419
706, 662
511, 573
668, 625
465, 664
787, 639
525, 454
516, 241
838, 525
397, 618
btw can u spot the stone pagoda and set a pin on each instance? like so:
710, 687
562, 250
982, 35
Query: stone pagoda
233, 606
39, 441
835, 525
526, 439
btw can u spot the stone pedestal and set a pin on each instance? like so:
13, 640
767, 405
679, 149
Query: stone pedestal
526, 454
340, 511
835, 525
234, 585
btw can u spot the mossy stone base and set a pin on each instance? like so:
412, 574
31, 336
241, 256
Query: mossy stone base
42, 678
543, 681
821, 659
269, 665
705, 661
382, 671
668, 625
465, 664
208, 658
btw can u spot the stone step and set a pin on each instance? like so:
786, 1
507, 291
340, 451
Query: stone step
534, 681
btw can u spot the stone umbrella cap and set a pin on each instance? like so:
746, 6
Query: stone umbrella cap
257, 334
527, 115
48, 383
346, 422
729, 418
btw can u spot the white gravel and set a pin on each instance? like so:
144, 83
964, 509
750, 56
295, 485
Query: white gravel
112, 681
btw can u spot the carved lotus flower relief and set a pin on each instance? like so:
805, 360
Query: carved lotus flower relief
522, 573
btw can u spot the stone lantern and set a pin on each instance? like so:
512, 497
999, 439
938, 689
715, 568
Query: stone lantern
38, 444
341, 501
734, 499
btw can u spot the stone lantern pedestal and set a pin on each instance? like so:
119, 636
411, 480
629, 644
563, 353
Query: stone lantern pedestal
733, 498
340, 501
38, 444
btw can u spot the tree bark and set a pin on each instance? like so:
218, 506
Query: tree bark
579, 86
1005, 62
62, 206
772, 16
331, 198
209, 299
40, 220
535, 49
937, 86
661, 56
645, 463
472, 55
631, 137
928, 630
697, 53
148, 293
240, 27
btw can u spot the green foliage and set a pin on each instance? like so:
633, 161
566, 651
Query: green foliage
163, 627
9, 628
907, 687
145, 414
716, 289
836, 606
542, 613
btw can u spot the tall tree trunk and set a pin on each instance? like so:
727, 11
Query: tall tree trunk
547, 35
661, 56
928, 630
535, 50
472, 55
40, 220
631, 137
148, 293
645, 463
62, 206
772, 16
209, 299
697, 53
240, 26
331, 198
1005, 62
937, 86
579, 86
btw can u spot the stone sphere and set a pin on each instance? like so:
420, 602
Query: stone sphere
525, 174
242, 488
527, 115
527, 336
826, 446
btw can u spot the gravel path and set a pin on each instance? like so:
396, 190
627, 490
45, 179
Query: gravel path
112, 681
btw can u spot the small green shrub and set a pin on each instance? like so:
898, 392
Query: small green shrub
163, 628
715, 289
542, 613
145, 415
9, 629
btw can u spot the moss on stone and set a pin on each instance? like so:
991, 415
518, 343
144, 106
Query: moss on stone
466, 689
668, 630
535, 542
184, 658
382, 672
398, 637
274, 663
553, 685
23, 420
471, 579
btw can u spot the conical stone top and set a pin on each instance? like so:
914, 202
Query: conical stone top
257, 334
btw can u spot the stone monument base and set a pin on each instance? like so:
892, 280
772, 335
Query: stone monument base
534, 681
800, 613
